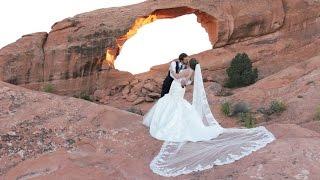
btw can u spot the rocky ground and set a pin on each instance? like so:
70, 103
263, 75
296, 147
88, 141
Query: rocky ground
45, 136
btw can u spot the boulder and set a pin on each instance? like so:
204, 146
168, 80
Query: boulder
154, 95
149, 86
144, 92
105, 100
137, 88
126, 90
134, 82
139, 101
131, 97
148, 99
99, 94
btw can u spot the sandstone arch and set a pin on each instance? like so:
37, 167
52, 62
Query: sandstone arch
72, 56
208, 22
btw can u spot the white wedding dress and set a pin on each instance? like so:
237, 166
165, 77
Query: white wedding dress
174, 119
194, 140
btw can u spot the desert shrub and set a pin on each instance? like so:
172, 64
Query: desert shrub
84, 96
48, 88
226, 108
247, 119
240, 107
265, 111
70, 141
240, 72
277, 106
317, 115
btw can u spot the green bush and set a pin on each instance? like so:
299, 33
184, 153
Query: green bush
83, 95
317, 115
277, 106
240, 107
240, 72
247, 119
48, 88
226, 108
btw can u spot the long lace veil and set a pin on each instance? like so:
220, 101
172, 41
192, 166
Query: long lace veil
176, 158
200, 102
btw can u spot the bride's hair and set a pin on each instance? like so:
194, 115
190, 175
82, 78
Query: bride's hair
193, 62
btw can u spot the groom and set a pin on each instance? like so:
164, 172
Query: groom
175, 67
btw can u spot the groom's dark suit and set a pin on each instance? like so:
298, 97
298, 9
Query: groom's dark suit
168, 80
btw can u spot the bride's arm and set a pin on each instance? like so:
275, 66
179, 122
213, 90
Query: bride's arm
177, 75
186, 79
188, 76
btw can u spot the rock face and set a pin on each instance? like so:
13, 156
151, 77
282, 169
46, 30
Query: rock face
297, 86
22, 61
79, 49
47, 136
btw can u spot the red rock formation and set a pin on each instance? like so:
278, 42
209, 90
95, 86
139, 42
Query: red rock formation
22, 61
297, 86
207, 21
78, 47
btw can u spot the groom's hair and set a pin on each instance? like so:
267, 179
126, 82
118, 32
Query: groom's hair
193, 63
182, 56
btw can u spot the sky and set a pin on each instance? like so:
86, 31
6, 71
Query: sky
152, 45
162, 41
20, 17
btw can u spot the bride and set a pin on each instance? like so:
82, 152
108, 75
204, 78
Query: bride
174, 119
194, 140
